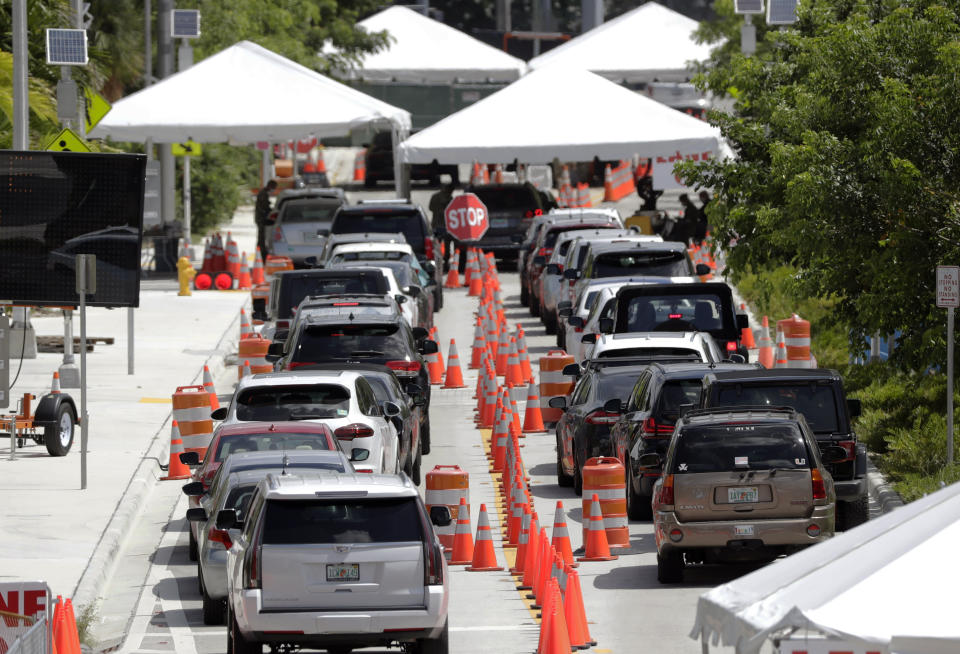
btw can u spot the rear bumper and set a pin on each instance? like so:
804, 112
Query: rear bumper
850, 490
365, 628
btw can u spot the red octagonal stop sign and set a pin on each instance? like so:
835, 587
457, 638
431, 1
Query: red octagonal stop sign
466, 218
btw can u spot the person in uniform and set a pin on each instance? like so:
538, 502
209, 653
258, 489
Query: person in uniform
261, 212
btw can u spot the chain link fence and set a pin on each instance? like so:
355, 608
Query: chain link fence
23, 635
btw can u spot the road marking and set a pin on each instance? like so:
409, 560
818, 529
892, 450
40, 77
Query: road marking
501, 627
154, 400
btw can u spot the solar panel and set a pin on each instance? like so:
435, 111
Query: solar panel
748, 6
781, 12
185, 23
66, 47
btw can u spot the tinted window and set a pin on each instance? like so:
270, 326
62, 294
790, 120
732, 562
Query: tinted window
231, 444
409, 223
510, 198
723, 448
816, 402
239, 499
308, 211
677, 394
660, 264
691, 312
691, 355
588, 301
296, 288
340, 257
342, 521
383, 388
582, 391
293, 402
618, 386
319, 343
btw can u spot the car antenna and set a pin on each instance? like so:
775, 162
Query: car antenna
285, 461
350, 318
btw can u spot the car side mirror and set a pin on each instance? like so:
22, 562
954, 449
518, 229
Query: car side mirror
419, 333
190, 458
226, 518
854, 408
196, 515
606, 325
193, 489
553, 269
430, 267
557, 402
219, 414
833, 454
429, 347
589, 338
275, 348
743, 322
400, 298
412, 290
566, 304
649, 461
571, 370
575, 321
613, 405
702, 269
311, 261
440, 515
280, 336
359, 454
539, 260
736, 357
571, 274
390, 409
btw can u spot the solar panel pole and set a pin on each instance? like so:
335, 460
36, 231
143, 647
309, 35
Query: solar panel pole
748, 36
165, 69
21, 121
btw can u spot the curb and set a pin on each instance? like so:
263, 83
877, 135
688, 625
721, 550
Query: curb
880, 489
100, 566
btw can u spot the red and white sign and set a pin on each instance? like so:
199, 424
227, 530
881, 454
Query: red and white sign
948, 286
827, 646
466, 218
26, 598
663, 177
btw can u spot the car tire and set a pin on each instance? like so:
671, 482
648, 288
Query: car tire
236, 642
561, 338
577, 474
549, 322
534, 306
192, 552
439, 645
638, 506
524, 295
670, 567
213, 609
417, 464
853, 514
563, 479
58, 437
438, 298
425, 437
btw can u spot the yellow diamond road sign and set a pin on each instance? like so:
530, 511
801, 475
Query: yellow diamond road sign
67, 141
186, 149
97, 107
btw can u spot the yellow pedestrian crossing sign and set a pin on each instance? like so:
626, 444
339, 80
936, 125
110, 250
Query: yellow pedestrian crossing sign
67, 141
186, 149
97, 107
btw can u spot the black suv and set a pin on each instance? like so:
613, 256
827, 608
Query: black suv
510, 209
645, 421
288, 288
818, 395
392, 217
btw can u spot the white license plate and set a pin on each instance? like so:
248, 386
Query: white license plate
499, 223
742, 494
743, 530
343, 572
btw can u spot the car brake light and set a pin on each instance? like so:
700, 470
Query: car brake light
404, 366
528, 214
364, 472
537, 212
666, 490
433, 570
675, 316
283, 324
353, 430
731, 346
293, 365
428, 248
851, 448
277, 234
220, 536
819, 487
601, 417
251, 567
654, 429
346, 304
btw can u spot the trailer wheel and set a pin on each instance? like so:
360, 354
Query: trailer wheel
58, 437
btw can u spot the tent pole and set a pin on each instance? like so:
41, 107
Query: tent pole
401, 171
265, 166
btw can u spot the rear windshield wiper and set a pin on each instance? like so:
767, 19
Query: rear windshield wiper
366, 353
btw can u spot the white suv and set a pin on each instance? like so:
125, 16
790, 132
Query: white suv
699, 345
336, 562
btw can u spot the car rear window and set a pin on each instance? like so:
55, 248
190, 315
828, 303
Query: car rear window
702, 312
616, 386
743, 446
375, 255
659, 264
308, 211
409, 223
816, 402
323, 522
296, 288
319, 343
302, 402
511, 198
652, 352
232, 443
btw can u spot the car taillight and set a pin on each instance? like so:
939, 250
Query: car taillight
283, 324
353, 430
433, 570
666, 490
220, 537
277, 234
293, 365
851, 448
731, 346
654, 429
404, 366
251, 567
601, 417
819, 487
428, 248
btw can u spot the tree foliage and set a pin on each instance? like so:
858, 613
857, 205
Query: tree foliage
847, 159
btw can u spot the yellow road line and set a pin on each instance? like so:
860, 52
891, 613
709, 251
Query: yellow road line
155, 400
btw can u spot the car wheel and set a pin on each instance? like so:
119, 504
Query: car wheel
438, 298
670, 567
425, 437
638, 506
561, 338
213, 609
563, 479
524, 295
534, 306
439, 645
577, 474
192, 552
853, 514
417, 463
58, 437
548, 321
236, 642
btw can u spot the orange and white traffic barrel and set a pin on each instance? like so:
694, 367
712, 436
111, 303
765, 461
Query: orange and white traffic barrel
796, 337
446, 485
254, 349
553, 383
191, 410
277, 264
604, 476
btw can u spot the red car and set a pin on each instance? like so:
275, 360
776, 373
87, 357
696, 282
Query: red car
253, 437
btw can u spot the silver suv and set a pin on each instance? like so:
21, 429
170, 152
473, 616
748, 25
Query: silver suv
336, 562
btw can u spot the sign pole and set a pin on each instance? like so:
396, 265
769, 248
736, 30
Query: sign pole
949, 385
86, 269
948, 297
187, 220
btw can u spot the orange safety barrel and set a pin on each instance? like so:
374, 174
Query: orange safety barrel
605, 476
446, 485
254, 349
277, 264
796, 336
259, 295
191, 410
553, 383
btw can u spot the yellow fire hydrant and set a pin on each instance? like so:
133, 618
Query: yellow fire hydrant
185, 273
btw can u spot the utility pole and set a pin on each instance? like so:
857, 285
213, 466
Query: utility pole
165, 68
21, 109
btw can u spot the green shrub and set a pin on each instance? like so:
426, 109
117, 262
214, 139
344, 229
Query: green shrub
915, 486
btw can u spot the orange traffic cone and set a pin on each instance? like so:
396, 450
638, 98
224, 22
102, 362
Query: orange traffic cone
453, 275
522, 541
479, 343
476, 279
256, 275
575, 613
544, 567
558, 641
546, 624
503, 351
531, 556
765, 345
514, 370
57, 616
498, 442
55, 385
454, 377
781, 351
596, 547
462, 540
70, 624
747, 334
434, 369
484, 558
561, 537
533, 417
244, 282
435, 337
208, 387
246, 331
245, 371
176, 469
61, 638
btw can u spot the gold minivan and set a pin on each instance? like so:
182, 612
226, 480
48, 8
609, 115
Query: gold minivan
739, 484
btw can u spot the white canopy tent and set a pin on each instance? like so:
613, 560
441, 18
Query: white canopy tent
645, 44
890, 583
425, 50
245, 94
572, 115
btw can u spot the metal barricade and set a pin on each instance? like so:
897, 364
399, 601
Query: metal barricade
34, 640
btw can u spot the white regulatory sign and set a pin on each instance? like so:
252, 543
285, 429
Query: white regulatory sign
948, 286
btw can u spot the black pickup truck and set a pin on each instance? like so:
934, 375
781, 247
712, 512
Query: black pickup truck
818, 395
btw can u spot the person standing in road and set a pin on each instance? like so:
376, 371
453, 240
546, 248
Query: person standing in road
647, 194
439, 202
686, 224
703, 226
261, 212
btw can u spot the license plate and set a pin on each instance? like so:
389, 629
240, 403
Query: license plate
499, 223
343, 572
743, 530
743, 494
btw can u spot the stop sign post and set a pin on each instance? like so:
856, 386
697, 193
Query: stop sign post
466, 218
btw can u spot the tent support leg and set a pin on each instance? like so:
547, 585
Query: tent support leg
705, 646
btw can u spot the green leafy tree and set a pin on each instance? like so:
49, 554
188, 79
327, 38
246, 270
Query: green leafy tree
847, 159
